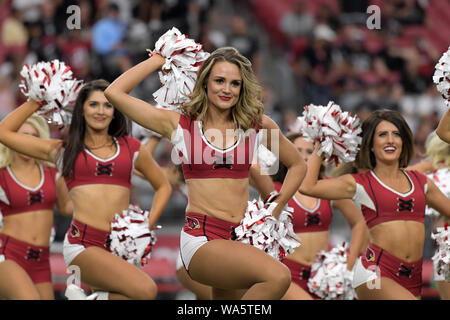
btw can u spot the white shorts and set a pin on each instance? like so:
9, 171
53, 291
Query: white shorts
188, 247
361, 275
179, 263
70, 251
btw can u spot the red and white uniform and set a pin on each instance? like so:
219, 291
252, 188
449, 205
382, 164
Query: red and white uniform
306, 220
90, 169
18, 198
379, 204
117, 169
202, 160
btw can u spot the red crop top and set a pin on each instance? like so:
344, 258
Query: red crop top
200, 159
90, 169
379, 203
21, 198
309, 220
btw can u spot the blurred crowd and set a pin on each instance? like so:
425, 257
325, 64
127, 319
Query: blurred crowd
322, 50
341, 51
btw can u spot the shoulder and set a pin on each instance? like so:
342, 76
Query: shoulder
420, 176
268, 123
130, 141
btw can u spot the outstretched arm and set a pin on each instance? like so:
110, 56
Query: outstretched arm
443, 129
343, 187
118, 93
360, 232
26, 144
154, 174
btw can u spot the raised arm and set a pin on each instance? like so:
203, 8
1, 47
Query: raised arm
290, 157
443, 129
118, 93
360, 232
154, 174
26, 144
343, 187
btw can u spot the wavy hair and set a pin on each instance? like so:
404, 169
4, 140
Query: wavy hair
39, 123
437, 150
74, 141
249, 108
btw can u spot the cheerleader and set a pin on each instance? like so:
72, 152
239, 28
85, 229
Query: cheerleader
392, 201
97, 159
261, 182
311, 219
29, 190
216, 162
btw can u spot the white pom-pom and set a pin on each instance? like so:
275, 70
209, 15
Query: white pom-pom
441, 177
53, 86
131, 239
259, 228
179, 73
441, 258
266, 158
337, 131
441, 76
330, 279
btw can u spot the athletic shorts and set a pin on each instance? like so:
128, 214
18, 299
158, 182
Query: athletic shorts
81, 236
35, 260
198, 229
300, 274
377, 261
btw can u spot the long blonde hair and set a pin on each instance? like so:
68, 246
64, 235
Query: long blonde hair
39, 123
437, 150
249, 109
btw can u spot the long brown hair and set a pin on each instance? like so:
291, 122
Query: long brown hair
74, 141
249, 109
365, 159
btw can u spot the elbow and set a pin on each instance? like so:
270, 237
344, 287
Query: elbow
304, 189
108, 93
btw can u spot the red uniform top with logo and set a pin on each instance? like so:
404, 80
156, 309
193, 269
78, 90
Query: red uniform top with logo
17, 198
90, 169
309, 220
117, 169
306, 220
201, 160
22, 198
379, 203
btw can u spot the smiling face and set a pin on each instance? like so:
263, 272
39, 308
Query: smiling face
224, 85
387, 142
98, 112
